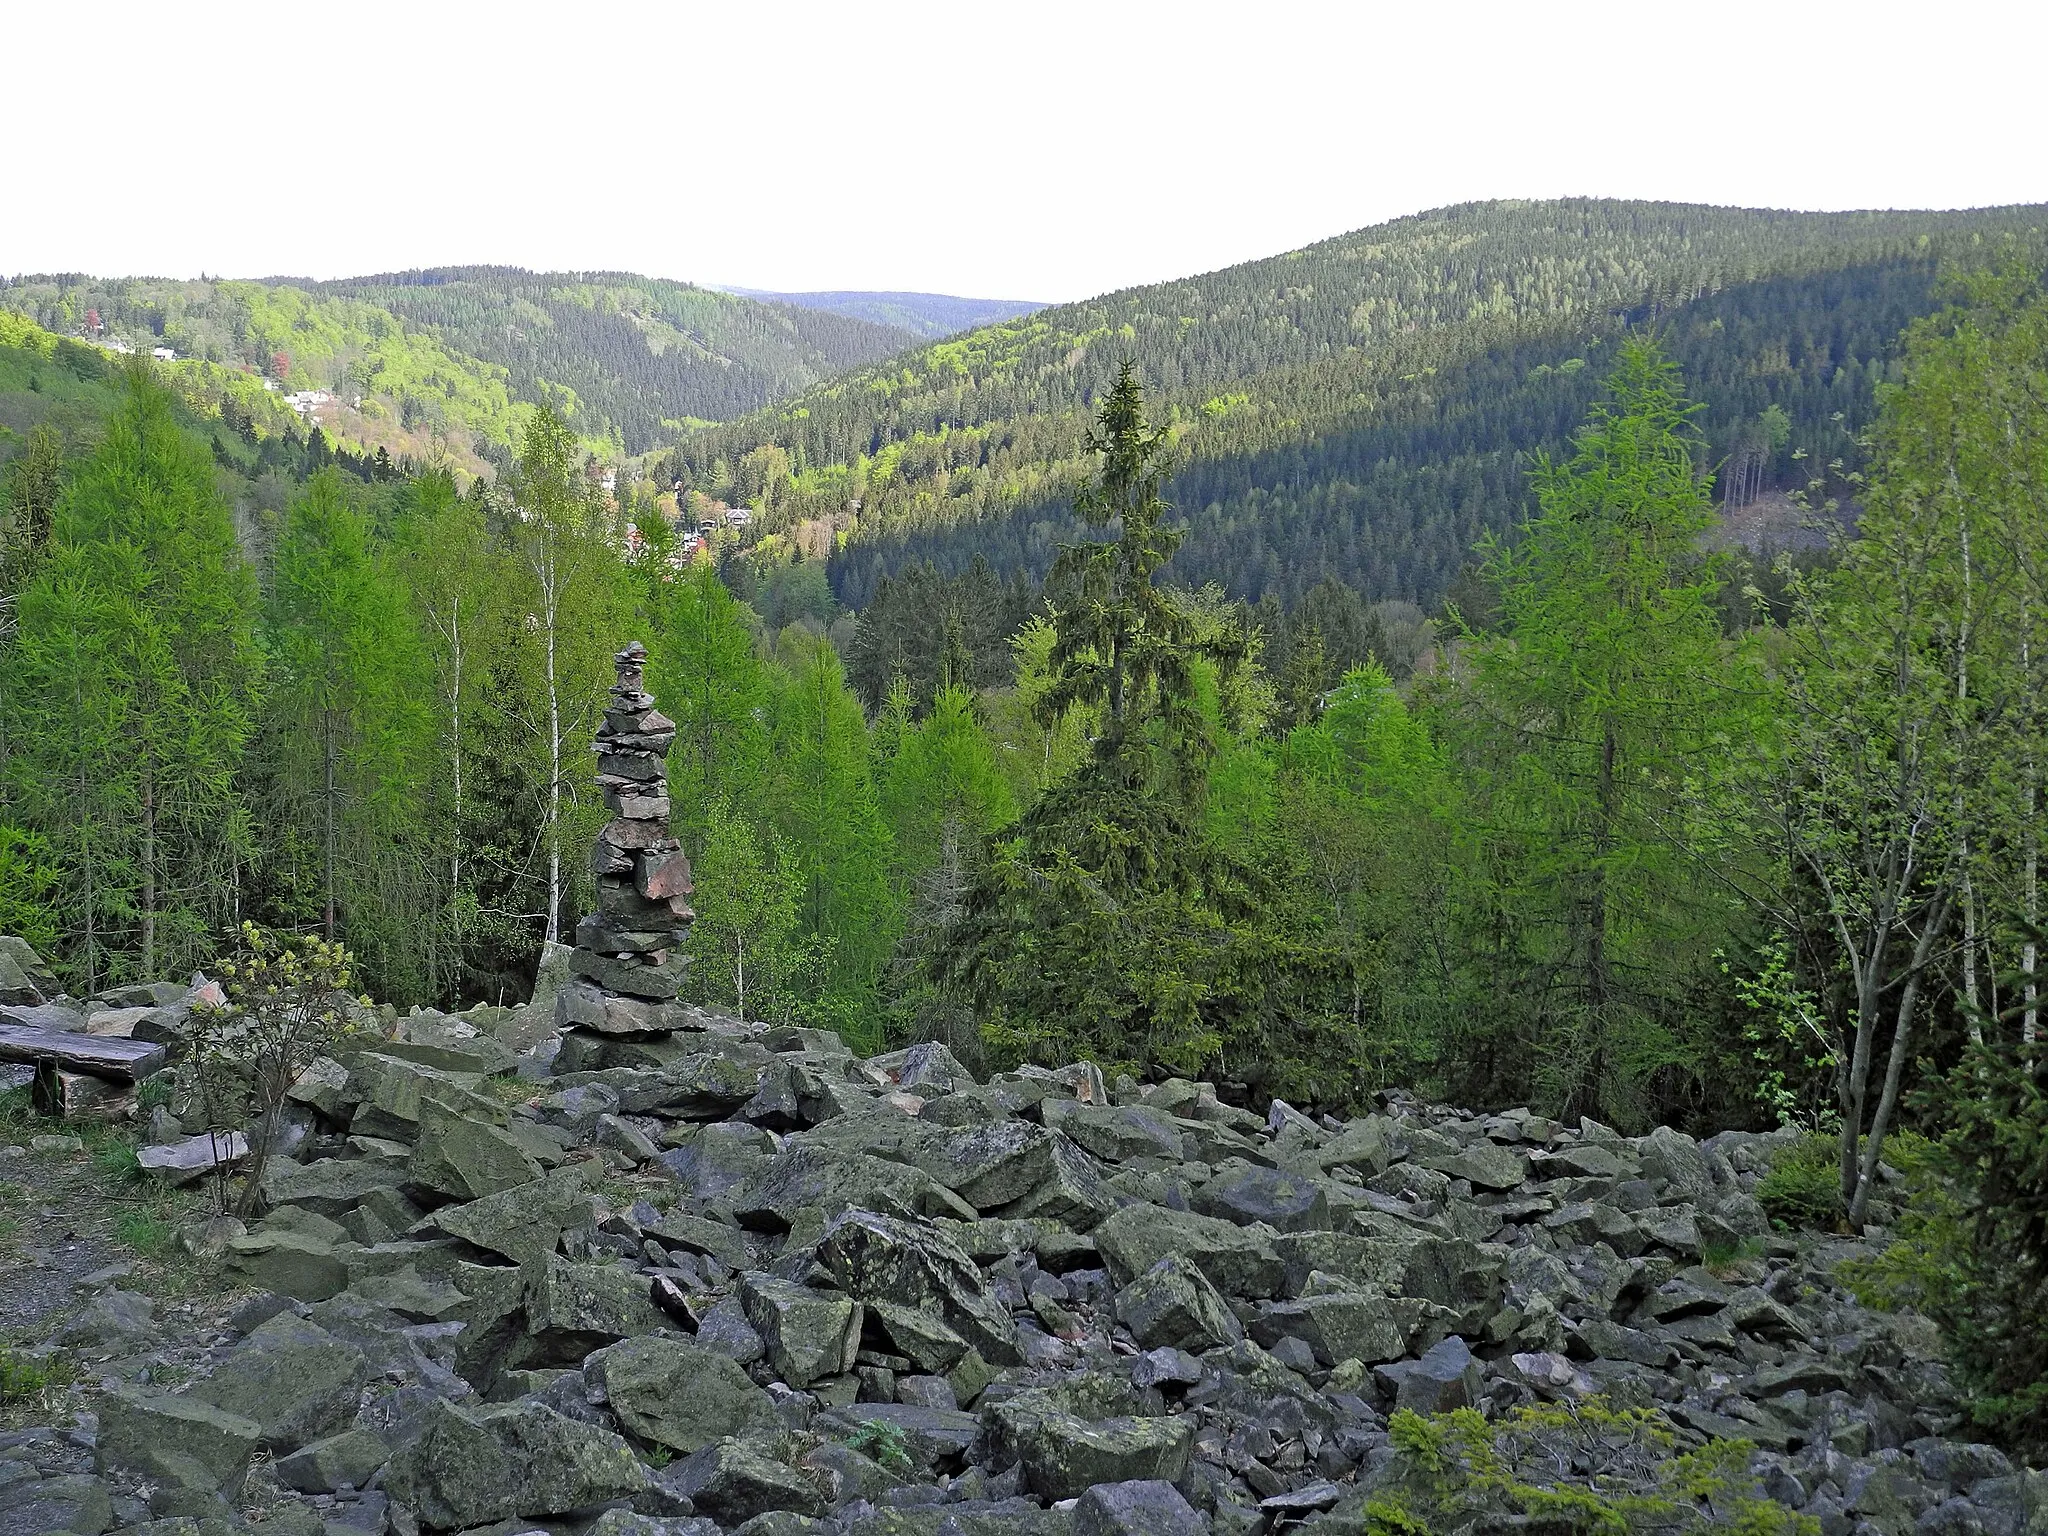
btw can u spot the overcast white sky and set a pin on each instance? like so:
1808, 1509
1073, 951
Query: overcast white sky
1042, 150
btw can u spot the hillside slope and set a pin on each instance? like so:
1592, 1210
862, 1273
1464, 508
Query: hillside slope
437, 364
1270, 370
643, 355
926, 315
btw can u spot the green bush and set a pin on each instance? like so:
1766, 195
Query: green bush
884, 1443
1457, 1471
1804, 1185
22, 1378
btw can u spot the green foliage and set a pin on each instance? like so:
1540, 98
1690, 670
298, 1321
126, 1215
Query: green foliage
23, 1378
1592, 720
130, 693
1975, 1236
1803, 1187
883, 1442
145, 1232
28, 879
1578, 1467
285, 1002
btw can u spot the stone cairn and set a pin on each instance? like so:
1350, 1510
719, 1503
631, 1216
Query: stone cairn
628, 963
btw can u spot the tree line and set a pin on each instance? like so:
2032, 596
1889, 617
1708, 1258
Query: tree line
1620, 841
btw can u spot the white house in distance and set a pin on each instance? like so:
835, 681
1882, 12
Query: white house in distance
739, 517
307, 402
163, 354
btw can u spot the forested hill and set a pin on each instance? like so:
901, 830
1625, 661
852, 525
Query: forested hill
642, 354
1277, 374
928, 315
436, 364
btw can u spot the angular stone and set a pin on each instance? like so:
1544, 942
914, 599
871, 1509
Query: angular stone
1173, 1306
1338, 1326
291, 1378
733, 1481
694, 1234
1676, 1159
809, 1334
588, 1303
467, 1158
676, 1394
587, 1006
331, 1186
1115, 1133
176, 1440
1237, 1262
932, 1434
661, 876
1148, 1508
524, 1223
1075, 1194
59, 1506
1486, 1165
472, 1465
878, 1258
808, 1178
703, 1086
25, 977
928, 1343
192, 1158
655, 980
1284, 1201
1064, 1455
1445, 1378
289, 1263
349, 1459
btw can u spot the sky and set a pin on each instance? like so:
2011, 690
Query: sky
1046, 150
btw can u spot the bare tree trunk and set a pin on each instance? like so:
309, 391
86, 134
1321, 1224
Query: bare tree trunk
553, 932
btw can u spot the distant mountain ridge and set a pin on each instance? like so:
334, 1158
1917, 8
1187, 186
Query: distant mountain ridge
929, 316
440, 360
1361, 407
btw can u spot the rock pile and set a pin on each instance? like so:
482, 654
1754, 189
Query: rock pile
677, 1274
768, 1283
628, 963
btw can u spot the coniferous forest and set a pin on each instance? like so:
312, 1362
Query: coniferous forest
1577, 655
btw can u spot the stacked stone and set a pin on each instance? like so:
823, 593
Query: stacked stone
628, 962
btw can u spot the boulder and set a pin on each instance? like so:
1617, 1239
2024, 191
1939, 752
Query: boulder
179, 1441
1445, 1378
473, 1465
1143, 1508
466, 1157
291, 1378
883, 1259
584, 1305
1238, 1262
733, 1481
1337, 1326
1676, 1159
290, 1263
809, 1334
1284, 1201
330, 1186
1173, 1306
347, 1460
74, 1505
678, 1395
524, 1223
1064, 1455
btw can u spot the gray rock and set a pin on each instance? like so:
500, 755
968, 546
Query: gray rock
1149, 1508
585, 1304
1676, 1159
1238, 1262
1064, 1455
291, 1378
349, 1459
679, 1395
1284, 1201
113, 1320
525, 1223
1173, 1306
180, 1441
74, 1505
289, 1263
735, 1480
470, 1466
809, 1335
466, 1157
1445, 1378
881, 1259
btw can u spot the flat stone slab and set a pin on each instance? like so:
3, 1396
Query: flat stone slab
183, 1162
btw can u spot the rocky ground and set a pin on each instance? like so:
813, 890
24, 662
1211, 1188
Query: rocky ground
737, 1279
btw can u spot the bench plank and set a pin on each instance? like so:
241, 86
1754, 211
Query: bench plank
111, 1056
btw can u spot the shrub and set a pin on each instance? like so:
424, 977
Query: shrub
1456, 1471
22, 1378
884, 1443
1804, 1185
